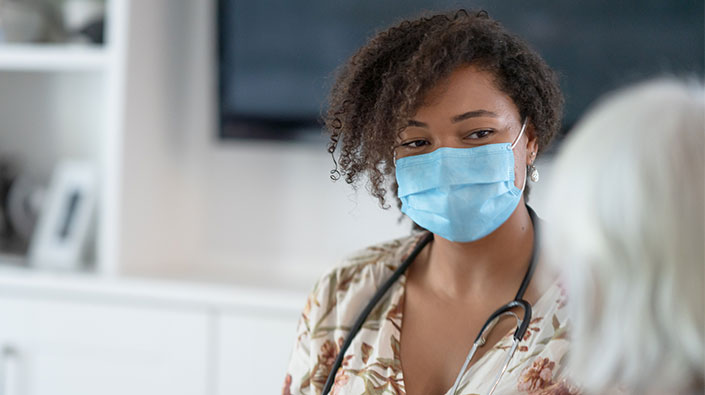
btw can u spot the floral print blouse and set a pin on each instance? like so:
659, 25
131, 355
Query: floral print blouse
372, 364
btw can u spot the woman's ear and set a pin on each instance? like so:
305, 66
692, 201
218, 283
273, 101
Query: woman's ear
532, 144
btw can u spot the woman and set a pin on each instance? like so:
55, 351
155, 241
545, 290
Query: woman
457, 109
628, 195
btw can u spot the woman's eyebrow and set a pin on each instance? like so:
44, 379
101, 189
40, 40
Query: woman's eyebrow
458, 118
419, 124
474, 114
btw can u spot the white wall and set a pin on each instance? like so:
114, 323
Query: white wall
197, 207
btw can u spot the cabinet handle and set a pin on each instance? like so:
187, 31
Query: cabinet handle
9, 371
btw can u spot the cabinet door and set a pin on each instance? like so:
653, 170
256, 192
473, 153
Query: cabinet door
50, 347
253, 351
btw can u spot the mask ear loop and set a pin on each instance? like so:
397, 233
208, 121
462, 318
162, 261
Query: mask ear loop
521, 132
516, 141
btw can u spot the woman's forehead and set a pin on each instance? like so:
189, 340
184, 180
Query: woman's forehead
466, 89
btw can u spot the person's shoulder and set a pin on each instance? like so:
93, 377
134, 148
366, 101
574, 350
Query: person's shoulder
376, 259
359, 275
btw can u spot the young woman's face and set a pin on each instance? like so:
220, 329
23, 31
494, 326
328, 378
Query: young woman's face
467, 110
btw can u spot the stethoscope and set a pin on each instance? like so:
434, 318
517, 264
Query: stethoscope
506, 310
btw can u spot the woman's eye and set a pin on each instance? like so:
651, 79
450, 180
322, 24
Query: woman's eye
480, 134
414, 143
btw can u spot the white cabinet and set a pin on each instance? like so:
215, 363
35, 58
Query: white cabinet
66, 334
64, 347
253, 351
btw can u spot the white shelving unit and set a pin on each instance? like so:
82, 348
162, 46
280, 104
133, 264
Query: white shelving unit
65, 101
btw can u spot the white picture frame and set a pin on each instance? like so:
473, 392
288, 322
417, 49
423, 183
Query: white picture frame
62, 231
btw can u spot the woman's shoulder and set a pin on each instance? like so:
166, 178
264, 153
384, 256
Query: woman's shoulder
335, 303
370, 263
353, 281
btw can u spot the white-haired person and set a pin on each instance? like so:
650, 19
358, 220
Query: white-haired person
627, 234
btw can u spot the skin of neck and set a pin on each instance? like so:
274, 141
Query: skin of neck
493, 265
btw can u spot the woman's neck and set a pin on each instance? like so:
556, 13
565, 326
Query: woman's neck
493, 265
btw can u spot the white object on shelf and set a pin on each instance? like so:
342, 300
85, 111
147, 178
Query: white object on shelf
52, 57
59, 240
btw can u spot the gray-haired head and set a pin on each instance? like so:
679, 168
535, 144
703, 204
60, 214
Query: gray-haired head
628, 234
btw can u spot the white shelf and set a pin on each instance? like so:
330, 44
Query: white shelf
45, 57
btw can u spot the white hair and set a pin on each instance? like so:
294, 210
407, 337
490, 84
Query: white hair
628, 236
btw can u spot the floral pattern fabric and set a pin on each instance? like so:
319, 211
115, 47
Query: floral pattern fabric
372, 363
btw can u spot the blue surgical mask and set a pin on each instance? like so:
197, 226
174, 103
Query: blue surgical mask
460, 194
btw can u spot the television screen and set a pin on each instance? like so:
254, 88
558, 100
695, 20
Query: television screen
277, 58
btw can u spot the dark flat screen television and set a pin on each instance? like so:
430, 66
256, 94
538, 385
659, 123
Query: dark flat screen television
277, 57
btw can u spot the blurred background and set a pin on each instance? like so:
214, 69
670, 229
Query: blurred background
165, 200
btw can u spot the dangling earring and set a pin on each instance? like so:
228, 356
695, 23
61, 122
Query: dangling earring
533, 171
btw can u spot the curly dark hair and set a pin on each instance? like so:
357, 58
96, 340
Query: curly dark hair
383, 84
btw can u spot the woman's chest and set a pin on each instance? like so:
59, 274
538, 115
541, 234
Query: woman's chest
436, 339
392, 355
